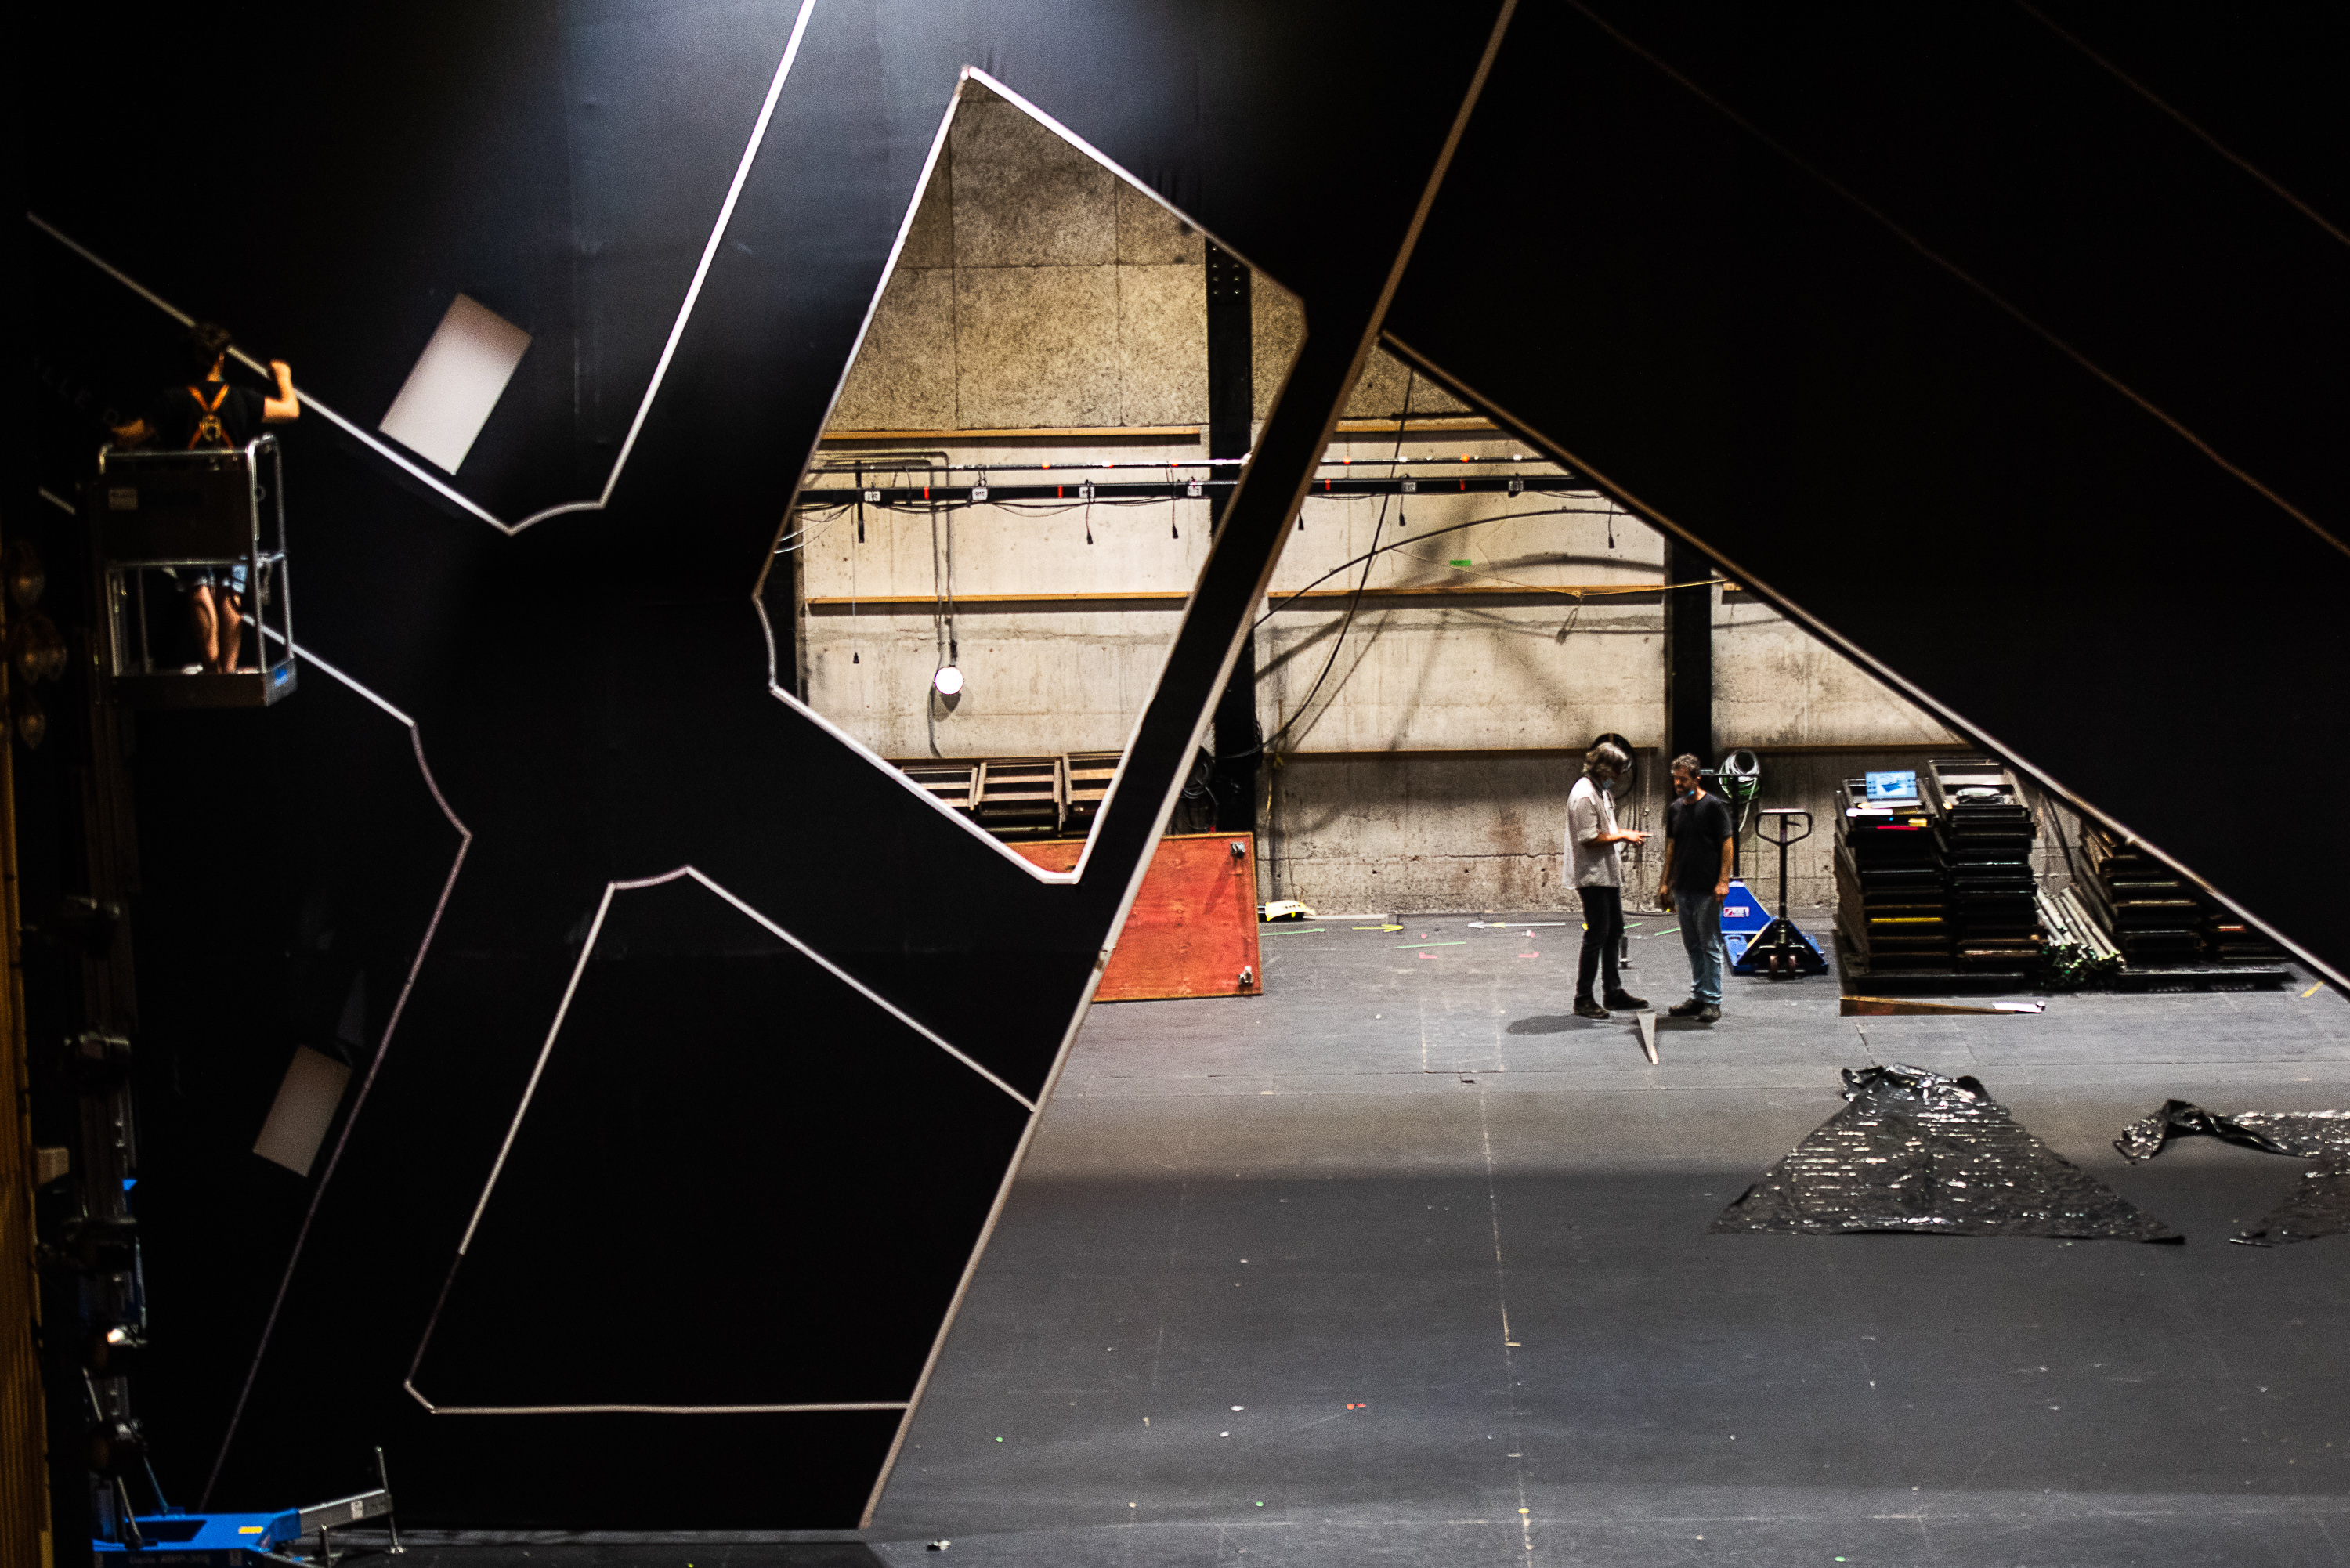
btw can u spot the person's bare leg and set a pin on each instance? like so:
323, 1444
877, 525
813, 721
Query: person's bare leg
232, 631
206, 624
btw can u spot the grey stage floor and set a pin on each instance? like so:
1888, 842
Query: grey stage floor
1401, 1264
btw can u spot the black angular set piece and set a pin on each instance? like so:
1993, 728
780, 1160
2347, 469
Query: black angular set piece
1919, 1153
2320, 1206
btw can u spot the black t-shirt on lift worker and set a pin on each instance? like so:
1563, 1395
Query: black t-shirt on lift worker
1698, 829
207, 415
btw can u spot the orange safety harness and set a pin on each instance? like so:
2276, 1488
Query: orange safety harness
209, 430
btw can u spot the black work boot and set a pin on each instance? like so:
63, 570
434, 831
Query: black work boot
1624, 1002
1586, 1008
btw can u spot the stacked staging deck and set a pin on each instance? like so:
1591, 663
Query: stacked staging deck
1892, 905
1987, 834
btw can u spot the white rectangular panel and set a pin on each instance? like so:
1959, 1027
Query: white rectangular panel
303, 1111
457, 381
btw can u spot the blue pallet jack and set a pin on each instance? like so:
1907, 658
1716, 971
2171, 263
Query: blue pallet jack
1742, 919
175, 1540
1780, 949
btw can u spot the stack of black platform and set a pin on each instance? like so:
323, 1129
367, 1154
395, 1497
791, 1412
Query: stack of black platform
1891, 905
2154, 914
2158, 919
1987, 832
2230, 939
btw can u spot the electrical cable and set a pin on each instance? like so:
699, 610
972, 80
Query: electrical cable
1475, 522
806, 536
943, 617
1266, 743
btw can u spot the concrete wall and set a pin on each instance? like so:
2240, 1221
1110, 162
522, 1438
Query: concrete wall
1776, 684
1429, 768
1035, 288
1041, 677
1038, 289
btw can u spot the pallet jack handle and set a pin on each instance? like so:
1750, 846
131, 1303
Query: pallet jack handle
1784, 837
1782, 948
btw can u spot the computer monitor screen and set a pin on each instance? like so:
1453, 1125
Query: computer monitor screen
1901, 785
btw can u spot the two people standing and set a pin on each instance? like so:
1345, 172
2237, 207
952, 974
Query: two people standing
1695, 879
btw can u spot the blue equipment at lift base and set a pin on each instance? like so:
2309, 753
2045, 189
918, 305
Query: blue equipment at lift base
1742, 917
1751, 956
185, 1540
1743, 921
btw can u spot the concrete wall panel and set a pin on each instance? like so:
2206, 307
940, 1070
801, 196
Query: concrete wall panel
1776, 684
1036, 346
1162, 345
1074, 685
1150, 236
1414, 679
930, 240
1379, 395
1427, 833
1277, 326
904, 376
1023, 197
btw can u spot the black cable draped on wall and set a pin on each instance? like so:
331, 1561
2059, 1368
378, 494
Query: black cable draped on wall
710, 1041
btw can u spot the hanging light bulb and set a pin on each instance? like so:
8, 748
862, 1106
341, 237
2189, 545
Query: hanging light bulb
948, 680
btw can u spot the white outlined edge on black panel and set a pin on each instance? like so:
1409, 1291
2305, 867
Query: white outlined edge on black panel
1070, 878
872, 310
375, 1063
905, 226
660, 369
522, 1109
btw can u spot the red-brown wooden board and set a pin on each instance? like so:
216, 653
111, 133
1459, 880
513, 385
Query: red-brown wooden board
1192, 930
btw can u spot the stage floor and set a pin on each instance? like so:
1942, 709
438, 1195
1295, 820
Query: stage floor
1403, 1264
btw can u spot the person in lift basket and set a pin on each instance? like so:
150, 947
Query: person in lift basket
210, 414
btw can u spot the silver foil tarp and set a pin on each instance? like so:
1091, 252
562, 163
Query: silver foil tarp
2320, 1206
1919, 1153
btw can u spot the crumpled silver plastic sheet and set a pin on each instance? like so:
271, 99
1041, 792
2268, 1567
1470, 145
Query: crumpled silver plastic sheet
2320, 1206
1919, 1153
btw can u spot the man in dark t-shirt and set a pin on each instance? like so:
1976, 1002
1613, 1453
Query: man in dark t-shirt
1696, 878
208, 414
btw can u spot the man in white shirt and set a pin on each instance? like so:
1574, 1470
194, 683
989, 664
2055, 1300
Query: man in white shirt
1595, 871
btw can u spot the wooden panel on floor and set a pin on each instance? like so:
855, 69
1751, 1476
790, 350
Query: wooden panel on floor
1192, 930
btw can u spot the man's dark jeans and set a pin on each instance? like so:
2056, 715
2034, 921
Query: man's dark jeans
1700, 916
1602, 939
